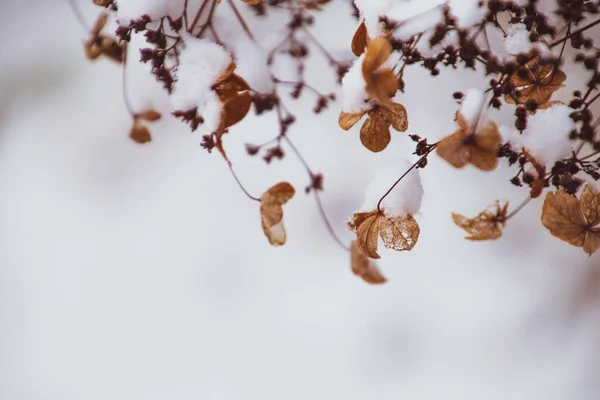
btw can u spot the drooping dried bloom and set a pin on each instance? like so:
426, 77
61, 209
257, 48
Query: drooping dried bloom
398, 232
103, 45
535, 82
360, 40
574, 220
271, 211
364, 267
487, 225
467, 146
375, 132
381, 84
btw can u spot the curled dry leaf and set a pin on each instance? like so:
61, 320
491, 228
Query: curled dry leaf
535, 81
574, 220
487, 225
271, 211
375, 132
140, 133
464, 146
381, 84
398, 232
364, 267
360, 40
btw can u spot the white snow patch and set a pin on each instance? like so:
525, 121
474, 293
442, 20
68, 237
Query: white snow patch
200, 64
406, 196
353, 86
155, 9
472, 107
546, 136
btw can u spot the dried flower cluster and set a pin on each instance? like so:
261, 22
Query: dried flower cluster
209, 58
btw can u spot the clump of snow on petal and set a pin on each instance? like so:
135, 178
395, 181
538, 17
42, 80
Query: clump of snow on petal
353, 87
201, 62
517, 41
472, 106
370, 11
406, 197
547, 135
133, 9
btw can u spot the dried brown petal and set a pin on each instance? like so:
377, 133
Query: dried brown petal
363, 267
226, 73
487, 225
235, 110
375, 132
359, 41
396, 115
452, 149
561, 214
380, 84
348, 120
149, 115
539, 83
99, 24
271, 212
140, 133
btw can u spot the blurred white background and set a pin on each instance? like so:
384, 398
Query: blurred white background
141, 272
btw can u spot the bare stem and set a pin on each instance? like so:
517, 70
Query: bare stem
79, 15
126, 99
519, 208
575, 32
241, 19
240, 184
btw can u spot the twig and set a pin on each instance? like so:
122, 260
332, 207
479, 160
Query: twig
240, 184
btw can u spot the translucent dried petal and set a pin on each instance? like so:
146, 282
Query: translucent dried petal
359, 41
590, 203
363, 267
380, 84
487, 225
396, 115
561, 214
375, 132
348, 120
99, 24
378, 51
271, 212
399, 232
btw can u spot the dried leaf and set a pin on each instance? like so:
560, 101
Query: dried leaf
398, 232
363, 267
561, 214
375, 132
359, 41
487, 225
139, 133
271, 211
348, 120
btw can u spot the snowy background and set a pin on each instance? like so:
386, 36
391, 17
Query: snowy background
141, 272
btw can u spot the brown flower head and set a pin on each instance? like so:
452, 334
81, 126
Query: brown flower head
139, 132
467, 146
535, 81
574, 220
375, 132
398, 232
271, 211
487, 225
381, 84
364, 267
